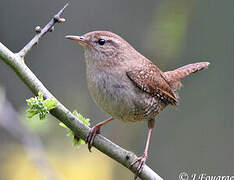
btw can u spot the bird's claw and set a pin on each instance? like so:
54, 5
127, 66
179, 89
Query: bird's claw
141, 162
91, 136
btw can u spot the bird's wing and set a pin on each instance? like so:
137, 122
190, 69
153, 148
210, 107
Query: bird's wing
152, 81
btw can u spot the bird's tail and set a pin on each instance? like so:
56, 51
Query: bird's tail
173, 77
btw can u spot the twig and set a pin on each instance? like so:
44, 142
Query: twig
15, 61
41, 32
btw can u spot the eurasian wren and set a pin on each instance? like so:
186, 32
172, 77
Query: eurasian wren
126, 85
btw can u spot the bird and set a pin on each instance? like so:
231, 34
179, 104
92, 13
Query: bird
126, 85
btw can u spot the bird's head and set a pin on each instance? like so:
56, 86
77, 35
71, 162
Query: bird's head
102, 45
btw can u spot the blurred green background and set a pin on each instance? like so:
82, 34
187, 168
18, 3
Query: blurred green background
195, 137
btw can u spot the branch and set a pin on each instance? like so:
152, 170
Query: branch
41, 32
16, 63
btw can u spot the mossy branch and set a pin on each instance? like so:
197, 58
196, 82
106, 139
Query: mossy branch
17, 64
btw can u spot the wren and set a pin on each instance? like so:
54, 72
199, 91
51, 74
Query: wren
126, 85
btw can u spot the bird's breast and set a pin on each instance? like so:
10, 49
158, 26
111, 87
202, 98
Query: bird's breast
114, 93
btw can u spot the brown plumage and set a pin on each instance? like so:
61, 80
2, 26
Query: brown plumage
174, 77
150, 79
127, 85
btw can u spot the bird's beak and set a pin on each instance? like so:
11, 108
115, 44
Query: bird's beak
80, 39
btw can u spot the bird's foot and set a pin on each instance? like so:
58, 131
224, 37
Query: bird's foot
141, 162
90, 138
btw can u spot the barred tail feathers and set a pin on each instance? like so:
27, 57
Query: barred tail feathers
173, 77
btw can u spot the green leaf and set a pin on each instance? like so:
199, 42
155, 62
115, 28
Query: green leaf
31, 114
77, 143
79, 116
37, 105
75, 113
50, 103
63, 125
76, 140
40, 95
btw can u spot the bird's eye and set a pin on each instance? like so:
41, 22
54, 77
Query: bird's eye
101, 41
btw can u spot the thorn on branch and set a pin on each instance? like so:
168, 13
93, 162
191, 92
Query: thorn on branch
61, 20
51, 29
38, 29
58, 19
